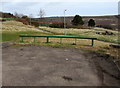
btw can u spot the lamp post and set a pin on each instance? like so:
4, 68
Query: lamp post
64, 22
30, 16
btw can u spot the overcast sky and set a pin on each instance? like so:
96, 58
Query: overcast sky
57, 7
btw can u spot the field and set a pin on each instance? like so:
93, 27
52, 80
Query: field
11, 30
16, 28
87, 33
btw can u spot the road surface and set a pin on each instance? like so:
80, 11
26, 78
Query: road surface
47, 66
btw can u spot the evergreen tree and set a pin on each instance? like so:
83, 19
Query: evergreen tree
91, 23
77, 20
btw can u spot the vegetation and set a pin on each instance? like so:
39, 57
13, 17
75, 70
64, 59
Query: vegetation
57, 25
77, 20
11, 30
87, 33
91, 23
25, 17
13, 36
41, 13
35, 24
15, 26
6, 15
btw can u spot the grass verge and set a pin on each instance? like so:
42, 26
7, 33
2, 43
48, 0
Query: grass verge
86, 33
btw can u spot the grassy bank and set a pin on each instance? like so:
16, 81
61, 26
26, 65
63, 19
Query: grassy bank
13, 36
87, 33
11, 30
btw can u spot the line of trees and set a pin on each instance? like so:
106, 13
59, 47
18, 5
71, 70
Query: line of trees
77, 20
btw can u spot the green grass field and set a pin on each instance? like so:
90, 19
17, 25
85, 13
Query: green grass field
13, 36
11, 30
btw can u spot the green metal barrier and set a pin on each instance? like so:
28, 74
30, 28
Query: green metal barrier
52, 36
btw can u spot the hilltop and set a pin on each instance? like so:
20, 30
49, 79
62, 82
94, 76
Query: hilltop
108, 21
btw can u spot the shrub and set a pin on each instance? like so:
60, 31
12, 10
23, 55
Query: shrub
107, 27
25, 17
91, 23
35, 24
77, 20
24, 21
57, 25
78, 27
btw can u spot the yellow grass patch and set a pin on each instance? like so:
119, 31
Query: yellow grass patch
15, 26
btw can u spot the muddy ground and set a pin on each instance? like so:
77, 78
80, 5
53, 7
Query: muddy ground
47, 66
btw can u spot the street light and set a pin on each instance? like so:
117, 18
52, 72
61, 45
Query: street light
64, 22
30, 16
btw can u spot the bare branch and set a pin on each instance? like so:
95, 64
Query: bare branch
41, 13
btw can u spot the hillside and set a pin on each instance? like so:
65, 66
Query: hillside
109, 22
19, 27
16, 26
6, 15
11, 30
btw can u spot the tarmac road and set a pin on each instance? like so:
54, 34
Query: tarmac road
47, 66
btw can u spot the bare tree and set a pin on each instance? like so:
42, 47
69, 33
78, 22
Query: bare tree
20, 15
17, 15
41, 13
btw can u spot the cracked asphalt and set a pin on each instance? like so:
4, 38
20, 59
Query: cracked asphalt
47, 66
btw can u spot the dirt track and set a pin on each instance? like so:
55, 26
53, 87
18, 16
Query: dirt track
46, 66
